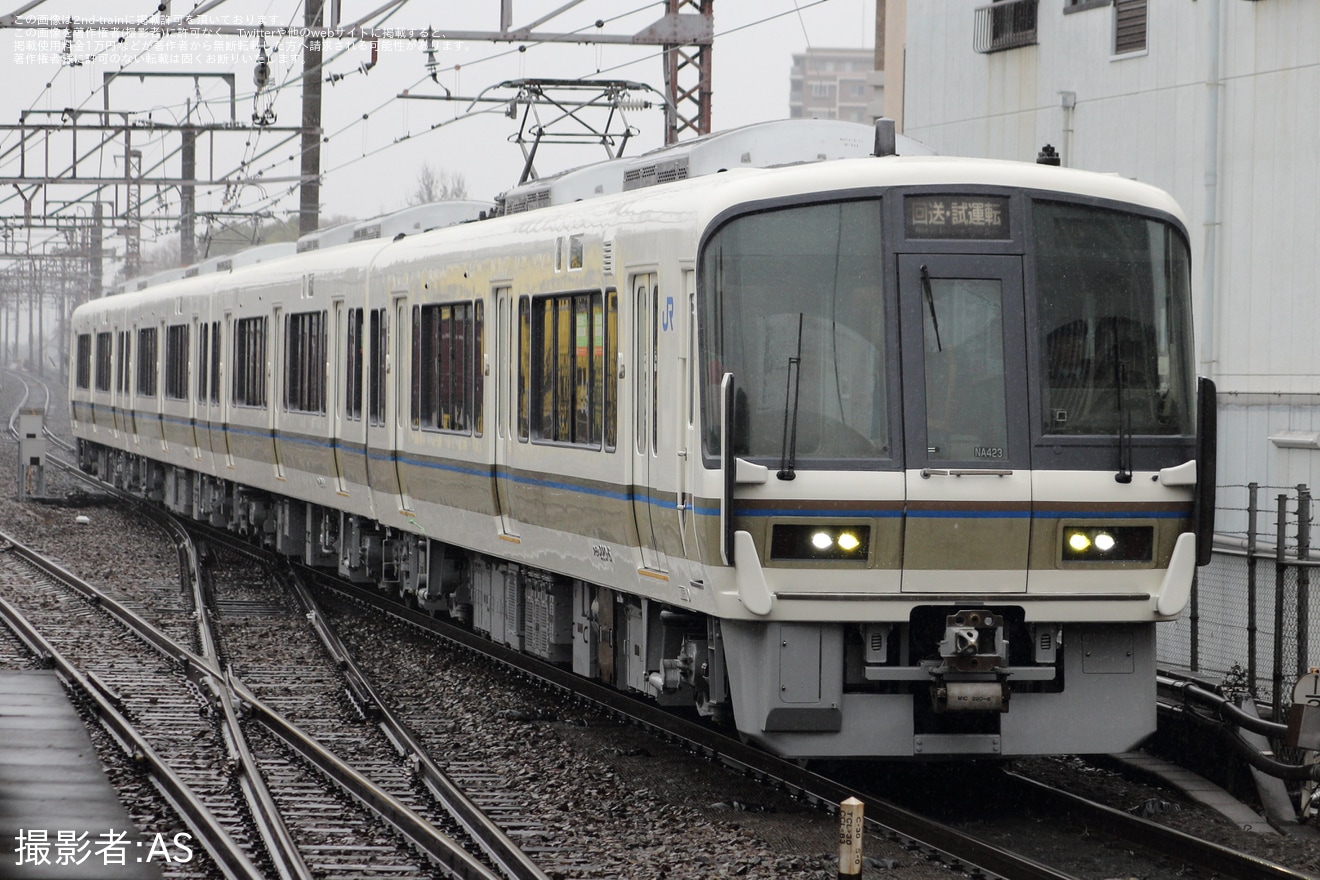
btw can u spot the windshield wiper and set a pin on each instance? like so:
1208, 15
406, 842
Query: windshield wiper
930, 303
792, 383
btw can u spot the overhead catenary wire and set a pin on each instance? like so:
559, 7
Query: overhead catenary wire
251, 155
292, 79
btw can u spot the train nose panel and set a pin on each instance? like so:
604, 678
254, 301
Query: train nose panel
968, 517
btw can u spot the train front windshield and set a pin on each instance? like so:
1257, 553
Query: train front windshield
793, 307
1113, 294
794, 304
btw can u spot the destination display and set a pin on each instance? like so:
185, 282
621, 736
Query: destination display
960, 217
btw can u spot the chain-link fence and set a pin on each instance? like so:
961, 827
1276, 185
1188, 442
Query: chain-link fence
1253, 616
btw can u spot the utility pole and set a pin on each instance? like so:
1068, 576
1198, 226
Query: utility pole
34, 285
309, 206
96, 283
132, 207
188, 198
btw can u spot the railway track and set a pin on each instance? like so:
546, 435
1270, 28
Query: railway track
156, 709
348, 848
171, 714
270, 625
1204, 857
913, 832
1151, 844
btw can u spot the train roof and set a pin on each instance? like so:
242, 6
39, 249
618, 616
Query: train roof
759, 145
409, 221
696, 202
710, 191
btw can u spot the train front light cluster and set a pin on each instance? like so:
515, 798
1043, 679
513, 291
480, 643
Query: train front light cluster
1108, 543
793, 541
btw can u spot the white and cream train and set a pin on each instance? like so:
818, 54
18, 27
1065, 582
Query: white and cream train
877, 456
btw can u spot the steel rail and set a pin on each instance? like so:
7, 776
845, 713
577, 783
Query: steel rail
437, 845
280, 845
27, 393
224, 850
948, 844
1170, 842
497, 845
203, 671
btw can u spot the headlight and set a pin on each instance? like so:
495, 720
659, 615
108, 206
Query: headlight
793, 541
1108, 543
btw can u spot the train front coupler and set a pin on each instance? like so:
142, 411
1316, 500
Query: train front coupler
972, 675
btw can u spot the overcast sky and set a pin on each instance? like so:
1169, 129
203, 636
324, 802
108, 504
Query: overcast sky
371, 166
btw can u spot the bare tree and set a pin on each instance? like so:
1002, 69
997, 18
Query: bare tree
163, 255
437, 186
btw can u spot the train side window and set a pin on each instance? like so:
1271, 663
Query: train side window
123, 368
423, 352
249, 387
304, 362
569, 356
353, 357
444, 386
146, 365
203, 363
176, 362
215, 362
376, 389
104, 343
84, 360
563, 365
524, 367
478, 367
591, 330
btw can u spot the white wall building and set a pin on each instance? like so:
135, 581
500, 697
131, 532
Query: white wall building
1213, 100
832, 84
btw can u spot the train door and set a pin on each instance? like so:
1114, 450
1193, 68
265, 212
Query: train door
506, 405
157, 384
190, 357
275, 398
686, 316
646, 404
965, 410
382, 477
118, 398
337, 388
401, 388
387, 400
131, 381
227, 392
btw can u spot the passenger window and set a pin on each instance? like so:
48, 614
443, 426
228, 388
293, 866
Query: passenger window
570, 380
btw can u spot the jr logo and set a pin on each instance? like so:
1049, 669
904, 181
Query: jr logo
667, 318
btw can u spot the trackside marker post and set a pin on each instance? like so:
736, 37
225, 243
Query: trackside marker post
850, 839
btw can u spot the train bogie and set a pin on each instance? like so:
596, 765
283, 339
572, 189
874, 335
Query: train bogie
871, 457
